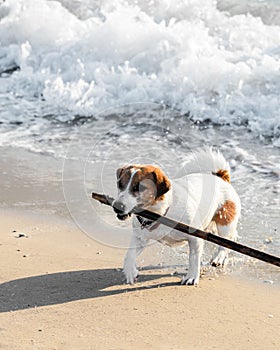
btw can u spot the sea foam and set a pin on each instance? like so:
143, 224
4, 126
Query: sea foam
82, 57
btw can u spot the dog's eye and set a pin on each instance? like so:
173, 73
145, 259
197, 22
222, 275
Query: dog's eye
135, 187
142, 187
120, 185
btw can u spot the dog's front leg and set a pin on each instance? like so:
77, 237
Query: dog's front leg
196, 248
129, 268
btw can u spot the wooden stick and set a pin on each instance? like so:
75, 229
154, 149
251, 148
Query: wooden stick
240, 248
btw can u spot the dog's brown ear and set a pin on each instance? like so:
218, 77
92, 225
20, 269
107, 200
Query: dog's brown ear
119, 172
162, 182
123, 176
120, 179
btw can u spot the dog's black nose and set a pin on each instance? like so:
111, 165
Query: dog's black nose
118, 207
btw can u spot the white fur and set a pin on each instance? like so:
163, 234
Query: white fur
203, 161
126, 198
192, 199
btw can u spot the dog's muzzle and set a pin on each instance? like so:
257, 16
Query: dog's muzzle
119, 208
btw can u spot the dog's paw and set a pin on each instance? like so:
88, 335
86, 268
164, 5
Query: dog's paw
131, 274
190, 280
220, 259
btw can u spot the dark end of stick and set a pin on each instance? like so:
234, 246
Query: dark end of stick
102, 198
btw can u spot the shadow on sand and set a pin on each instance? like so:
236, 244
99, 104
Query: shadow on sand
63, 287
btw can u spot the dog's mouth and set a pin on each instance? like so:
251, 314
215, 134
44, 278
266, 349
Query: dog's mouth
138, 208
123, 216
121, 210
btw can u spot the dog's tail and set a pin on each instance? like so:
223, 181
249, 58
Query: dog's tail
208, 160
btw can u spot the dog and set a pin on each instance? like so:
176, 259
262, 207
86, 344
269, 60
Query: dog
202, 198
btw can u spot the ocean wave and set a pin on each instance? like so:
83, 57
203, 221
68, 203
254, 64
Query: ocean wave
67, 58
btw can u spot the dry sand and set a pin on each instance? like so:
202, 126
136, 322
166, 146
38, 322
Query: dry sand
62, 290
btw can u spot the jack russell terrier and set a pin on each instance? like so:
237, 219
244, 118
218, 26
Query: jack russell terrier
201, 198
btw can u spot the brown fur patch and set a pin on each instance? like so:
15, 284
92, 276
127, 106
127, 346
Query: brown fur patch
157, 177
156, 186
226, 214
143, 173
223, 174
162, 182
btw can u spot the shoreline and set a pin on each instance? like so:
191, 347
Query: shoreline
62, 290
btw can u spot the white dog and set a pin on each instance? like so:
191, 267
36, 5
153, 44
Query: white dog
202, 197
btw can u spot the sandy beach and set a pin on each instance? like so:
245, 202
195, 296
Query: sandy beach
62, 290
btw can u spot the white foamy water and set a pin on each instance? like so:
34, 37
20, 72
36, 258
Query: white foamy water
186, 73
81, 57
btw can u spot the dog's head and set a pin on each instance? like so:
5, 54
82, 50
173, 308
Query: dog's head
139, 186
